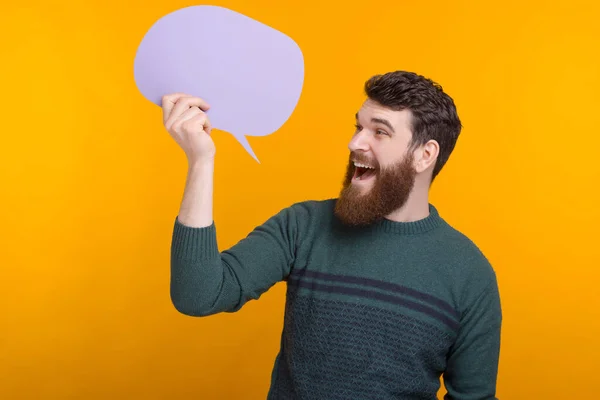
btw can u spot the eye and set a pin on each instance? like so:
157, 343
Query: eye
357, 127
382, 132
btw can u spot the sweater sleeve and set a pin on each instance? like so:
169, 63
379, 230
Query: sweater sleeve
205, 281
472, 366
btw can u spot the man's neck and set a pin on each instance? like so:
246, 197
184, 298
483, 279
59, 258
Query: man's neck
415, 208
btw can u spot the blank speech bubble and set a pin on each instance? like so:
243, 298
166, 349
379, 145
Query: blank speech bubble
249, 73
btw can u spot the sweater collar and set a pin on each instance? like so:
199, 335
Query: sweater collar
432, 221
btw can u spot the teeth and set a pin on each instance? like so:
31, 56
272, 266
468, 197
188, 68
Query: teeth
363, 165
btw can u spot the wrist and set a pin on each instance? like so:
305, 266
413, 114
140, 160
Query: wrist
201, 164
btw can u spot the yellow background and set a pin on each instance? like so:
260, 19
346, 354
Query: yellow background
91, 184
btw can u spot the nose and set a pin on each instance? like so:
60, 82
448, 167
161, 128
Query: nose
359, 142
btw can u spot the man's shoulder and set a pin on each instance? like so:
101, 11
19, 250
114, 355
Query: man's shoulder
305, 213
459, 238
467, 265
465, 253
312, 207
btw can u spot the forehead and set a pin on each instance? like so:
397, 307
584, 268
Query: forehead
400, 120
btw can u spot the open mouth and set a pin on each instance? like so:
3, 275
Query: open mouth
363, 172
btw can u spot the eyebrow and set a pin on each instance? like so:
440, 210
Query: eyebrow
380, 121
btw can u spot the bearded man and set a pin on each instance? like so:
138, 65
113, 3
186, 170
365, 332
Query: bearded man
384, 297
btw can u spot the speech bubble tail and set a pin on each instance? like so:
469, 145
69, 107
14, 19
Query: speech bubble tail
244, 142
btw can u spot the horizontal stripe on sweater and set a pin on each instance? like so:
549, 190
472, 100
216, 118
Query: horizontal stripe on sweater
396, 294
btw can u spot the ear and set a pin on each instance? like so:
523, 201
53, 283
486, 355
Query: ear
426, 155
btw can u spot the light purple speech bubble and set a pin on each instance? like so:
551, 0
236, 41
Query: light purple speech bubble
249, 73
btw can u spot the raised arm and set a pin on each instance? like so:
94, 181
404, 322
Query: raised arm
205, 281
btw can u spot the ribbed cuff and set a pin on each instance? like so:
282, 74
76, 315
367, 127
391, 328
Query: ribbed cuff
194, 243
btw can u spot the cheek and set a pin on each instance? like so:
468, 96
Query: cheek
393, 153
387, 158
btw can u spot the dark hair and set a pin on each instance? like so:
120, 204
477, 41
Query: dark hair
434, 114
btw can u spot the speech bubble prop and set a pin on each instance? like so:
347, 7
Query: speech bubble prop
249, 73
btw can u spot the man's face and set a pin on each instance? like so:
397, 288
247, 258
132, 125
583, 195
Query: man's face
380, 173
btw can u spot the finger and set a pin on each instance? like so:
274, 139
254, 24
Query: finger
185, 102
207, 125
199, 121
168, 102
185, 116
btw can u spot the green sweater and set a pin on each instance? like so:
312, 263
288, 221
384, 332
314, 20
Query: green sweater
371, 313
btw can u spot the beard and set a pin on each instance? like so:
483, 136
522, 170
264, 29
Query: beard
389, 192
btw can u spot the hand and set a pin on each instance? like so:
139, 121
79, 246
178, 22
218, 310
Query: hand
185, 119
